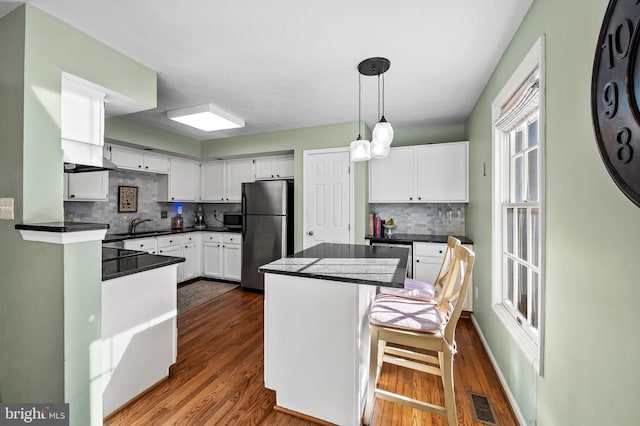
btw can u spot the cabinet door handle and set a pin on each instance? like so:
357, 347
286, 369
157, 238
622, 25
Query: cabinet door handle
410, 198
440, 251
417, 260
419, 198
146, 167
170, 241
271, 175
172, 198
160, 251
72, 196
139, 165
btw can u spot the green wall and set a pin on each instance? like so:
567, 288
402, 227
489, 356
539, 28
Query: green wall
591, 343
125, 130
47, 290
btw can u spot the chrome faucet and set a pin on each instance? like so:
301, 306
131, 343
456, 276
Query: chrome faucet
135, 222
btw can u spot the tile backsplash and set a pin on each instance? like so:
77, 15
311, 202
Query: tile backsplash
435, 219
148, 207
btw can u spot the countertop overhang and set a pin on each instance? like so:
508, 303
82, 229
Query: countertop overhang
118, 263
113, 237
349, 263
417, 238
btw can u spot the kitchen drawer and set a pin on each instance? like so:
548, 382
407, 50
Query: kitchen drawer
429, 249
212, 237
142, 244
231, 238
169, 240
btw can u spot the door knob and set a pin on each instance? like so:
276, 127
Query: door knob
310, 233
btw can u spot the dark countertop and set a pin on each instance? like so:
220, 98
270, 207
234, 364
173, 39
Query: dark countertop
359, 264
120, 262
110, 238
62, 226
418, 238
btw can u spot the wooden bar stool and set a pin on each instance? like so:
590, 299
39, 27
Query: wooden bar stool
419, 290
414, 324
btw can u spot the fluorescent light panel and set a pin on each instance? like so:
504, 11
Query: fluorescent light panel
206, 117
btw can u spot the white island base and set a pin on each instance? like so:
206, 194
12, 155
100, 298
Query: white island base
317, 346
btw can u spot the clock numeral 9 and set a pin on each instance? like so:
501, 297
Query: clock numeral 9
610, 98
625, 152
617, 44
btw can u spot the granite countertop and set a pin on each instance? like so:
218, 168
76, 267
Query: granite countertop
120, 262
109, 238
62, 226
349, 263
418, 238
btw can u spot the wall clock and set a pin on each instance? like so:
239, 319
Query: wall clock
615, 95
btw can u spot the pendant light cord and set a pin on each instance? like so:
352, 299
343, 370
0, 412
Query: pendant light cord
378, 96
359, 102
382, 93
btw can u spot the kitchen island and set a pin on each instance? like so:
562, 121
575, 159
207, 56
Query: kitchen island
139, 335
316, 326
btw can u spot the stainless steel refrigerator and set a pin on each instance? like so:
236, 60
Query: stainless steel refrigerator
267, 227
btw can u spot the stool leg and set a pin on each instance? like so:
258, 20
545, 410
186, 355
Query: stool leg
446, 365
373, 377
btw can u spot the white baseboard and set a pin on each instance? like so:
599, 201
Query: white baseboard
505, 386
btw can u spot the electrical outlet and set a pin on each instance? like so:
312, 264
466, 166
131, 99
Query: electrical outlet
163, 214
6, 208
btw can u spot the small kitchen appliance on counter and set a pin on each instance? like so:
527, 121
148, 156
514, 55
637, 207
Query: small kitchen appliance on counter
177, 222
199, 223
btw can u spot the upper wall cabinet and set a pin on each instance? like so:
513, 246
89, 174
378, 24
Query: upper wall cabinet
92, 186
278, 167
134, 159
434, 173
222, 179
182, 183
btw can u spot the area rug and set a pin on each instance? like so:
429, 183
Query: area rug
199, 292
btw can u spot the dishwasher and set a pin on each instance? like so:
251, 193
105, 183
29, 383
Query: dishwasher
408, 245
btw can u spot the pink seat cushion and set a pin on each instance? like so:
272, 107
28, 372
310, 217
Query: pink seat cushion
413, 289
407, 314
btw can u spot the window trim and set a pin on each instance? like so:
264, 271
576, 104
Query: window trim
534, 59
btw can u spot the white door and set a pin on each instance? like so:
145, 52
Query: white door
232, 261
327, 197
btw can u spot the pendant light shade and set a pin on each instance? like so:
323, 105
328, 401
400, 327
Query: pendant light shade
383, 132
379, 149
360, 150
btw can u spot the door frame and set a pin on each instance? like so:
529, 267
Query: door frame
305, 156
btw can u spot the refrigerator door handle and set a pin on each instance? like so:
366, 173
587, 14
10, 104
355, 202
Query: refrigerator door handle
244, 214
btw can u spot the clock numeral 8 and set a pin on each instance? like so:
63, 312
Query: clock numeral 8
625, 152
610, 98
618, 43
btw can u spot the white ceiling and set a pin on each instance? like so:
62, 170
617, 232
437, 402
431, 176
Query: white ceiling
286, 64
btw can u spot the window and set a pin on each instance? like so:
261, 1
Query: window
518, 205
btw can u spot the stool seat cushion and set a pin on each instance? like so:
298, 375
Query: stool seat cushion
406, 314
413, 289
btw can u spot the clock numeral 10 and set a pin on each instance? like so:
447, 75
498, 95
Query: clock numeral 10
617, 44
625, 152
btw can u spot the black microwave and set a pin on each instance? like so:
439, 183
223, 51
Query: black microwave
232, 221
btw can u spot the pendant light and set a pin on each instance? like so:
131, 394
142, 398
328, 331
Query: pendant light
382, 135
360, 149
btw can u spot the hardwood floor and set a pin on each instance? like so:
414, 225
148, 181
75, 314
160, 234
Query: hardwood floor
218, 377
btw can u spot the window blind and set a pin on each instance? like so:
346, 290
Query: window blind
523, 102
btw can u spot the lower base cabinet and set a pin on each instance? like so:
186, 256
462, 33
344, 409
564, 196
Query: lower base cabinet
222, 255
427, 261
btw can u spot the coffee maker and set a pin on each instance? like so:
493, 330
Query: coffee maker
198, 223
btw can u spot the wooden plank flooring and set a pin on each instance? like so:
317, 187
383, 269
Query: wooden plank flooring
218, 377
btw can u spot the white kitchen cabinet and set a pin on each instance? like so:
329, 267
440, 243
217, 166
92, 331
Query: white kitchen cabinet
222, 180
238, 172
392, 179
135, 159
91, 186
149, 245
171, 245
82, 113
277, 167
213, 181
231, 257
443, 172
182, 183
433, 173
427, 261
212, 254
191, 249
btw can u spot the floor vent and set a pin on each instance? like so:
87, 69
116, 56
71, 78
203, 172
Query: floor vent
482, 410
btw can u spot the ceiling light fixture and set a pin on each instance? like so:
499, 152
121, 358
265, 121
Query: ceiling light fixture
206, 117
360, 149
382, 135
